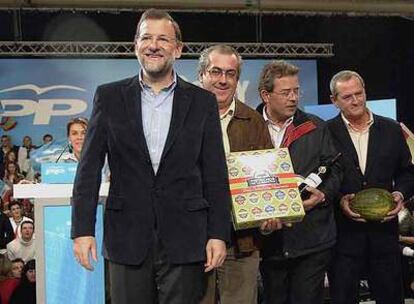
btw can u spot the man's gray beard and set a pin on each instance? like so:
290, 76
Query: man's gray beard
160, 71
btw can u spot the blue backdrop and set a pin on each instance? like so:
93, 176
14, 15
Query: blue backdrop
42, 94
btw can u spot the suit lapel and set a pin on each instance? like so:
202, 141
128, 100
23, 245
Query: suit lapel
340, 132
132, 98
181, 105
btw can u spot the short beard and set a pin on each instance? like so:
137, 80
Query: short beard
159, 71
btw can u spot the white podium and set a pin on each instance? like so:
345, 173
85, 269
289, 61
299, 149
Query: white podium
59, 278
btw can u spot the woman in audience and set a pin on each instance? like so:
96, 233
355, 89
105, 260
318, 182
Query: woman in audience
76, 131
10, 283
25, 293
11, 157
12, 174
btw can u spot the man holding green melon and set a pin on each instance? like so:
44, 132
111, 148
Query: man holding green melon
375, 160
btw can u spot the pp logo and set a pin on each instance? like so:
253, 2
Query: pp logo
42, 109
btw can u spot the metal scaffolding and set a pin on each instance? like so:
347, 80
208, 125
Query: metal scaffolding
126, 49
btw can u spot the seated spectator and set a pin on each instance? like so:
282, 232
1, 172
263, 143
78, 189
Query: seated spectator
6, 198
9, 285
10, 157
47, 138
5, 266
16, 268
27, 207
6, 146
25, 293
4, 203
6, 232
24, 157
17, 217
23, 246
12, 174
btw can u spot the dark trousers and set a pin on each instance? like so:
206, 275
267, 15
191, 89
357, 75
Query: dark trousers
156, 280
384, 278
297, 280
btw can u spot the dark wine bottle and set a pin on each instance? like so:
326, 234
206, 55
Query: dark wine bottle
317, 177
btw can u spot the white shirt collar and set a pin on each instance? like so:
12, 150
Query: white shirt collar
268, 120
230, 111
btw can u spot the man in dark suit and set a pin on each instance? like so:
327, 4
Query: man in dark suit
295, 259
374, 154
167, 212
6, 231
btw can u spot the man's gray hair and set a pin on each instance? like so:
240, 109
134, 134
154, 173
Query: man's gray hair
204, 60
344, 75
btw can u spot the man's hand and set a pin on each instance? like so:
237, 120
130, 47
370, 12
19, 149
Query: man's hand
316, 197
394, 212
270, 225
344, 203
82, 247
216, 254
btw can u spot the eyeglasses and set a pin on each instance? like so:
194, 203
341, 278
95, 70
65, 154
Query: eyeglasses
217, 73
160, 40
351, 97
286, 93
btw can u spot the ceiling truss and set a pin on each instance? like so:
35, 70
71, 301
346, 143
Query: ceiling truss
190, 50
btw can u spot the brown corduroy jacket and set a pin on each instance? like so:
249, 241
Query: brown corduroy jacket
247, 131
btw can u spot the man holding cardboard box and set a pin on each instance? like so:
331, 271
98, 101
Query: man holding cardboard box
295, 259
243, 130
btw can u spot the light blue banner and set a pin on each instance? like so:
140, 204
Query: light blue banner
58, 173
40, 95
65, 280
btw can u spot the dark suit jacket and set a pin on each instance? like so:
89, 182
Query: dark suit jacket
6, 231
187, 201
316, 232
388, 166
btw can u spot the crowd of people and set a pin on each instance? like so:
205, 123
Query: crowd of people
17, 246
168, 234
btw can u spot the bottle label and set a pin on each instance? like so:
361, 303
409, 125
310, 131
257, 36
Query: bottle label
313, 180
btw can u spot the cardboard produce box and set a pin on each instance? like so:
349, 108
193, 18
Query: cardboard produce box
263, 186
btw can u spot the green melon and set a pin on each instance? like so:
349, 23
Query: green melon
373, 204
